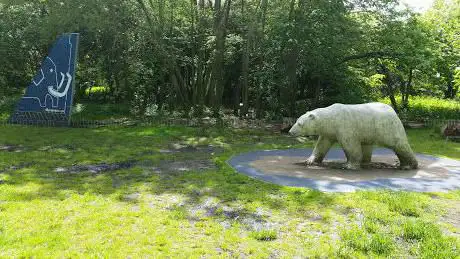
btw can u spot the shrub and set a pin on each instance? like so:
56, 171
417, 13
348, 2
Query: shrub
96, 90
7, 105
423, 108
264, 235
96, 93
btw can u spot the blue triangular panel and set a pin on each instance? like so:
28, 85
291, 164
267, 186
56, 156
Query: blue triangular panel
48, 98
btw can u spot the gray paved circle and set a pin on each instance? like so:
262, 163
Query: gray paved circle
242, 164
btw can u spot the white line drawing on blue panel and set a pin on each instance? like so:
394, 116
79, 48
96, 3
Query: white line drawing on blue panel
41, 80
64, 93
54, 94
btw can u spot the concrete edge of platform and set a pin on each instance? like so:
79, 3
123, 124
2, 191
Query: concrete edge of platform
241, 163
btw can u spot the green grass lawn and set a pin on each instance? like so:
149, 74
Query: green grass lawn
141, 212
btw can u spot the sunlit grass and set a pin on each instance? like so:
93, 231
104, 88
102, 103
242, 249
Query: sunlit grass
137, 212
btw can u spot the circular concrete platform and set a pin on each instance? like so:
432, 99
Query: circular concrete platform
285, 167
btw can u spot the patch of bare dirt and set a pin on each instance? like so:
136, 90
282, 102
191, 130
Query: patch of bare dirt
165, 166
12, 148
96, 168
15, 167
181, 148
171, 166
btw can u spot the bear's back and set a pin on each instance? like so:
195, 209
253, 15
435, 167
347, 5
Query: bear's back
362, 111
370, 122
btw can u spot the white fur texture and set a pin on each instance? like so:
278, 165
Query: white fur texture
356, 128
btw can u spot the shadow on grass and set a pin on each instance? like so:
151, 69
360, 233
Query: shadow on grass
50, 148
223, 195
45, 149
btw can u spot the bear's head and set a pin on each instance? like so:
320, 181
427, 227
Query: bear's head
306, 125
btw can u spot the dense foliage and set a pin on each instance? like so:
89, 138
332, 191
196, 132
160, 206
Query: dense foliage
429, 109
277, 58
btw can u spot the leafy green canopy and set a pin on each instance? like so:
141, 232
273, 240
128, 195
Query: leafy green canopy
278, 58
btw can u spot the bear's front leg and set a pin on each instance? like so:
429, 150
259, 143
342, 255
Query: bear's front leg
321, 148
354, 153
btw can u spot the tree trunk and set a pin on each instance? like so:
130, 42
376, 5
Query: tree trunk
291, 58
201, 71
450, 92
393, 101
245, 69
251, 43
175, 74
262, 19
217, 78
258, 104
407, 90
317, 93
245, 78
216, 73
291, 73
236, 98
389, 86
223, 31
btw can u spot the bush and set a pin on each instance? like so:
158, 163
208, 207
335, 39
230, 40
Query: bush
7, 105
96, 93
264, 235
423, 108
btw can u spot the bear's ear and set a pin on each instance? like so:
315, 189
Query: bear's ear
311, 116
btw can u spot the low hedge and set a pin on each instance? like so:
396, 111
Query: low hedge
422, 108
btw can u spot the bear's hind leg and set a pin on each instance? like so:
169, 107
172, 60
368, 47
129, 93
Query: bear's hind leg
406, 156
354, 154
321, 148
367, 154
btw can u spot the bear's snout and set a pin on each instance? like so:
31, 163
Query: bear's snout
293, 131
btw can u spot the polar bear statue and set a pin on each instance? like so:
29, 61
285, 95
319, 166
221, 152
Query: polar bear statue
356, 128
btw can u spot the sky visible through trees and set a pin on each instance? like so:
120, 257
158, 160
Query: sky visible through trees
419, 5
